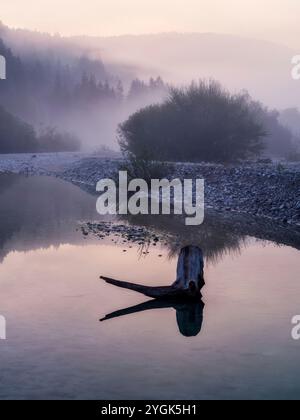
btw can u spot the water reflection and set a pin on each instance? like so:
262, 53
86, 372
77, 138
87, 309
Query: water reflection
52, 299
184, 295
39, 212
219, 235
189, 315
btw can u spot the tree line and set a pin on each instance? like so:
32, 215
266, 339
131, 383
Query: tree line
198, 122
46, 91
205, 122
17, 136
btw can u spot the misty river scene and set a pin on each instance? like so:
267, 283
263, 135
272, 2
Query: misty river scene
236, 329
149, 203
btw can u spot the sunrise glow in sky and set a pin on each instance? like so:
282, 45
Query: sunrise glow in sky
275, 20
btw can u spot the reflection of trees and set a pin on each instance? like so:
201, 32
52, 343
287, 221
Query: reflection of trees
38, 212
218, 235
213, 236
7, 181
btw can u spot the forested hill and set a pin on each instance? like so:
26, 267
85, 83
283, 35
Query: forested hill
66, 92
63, 87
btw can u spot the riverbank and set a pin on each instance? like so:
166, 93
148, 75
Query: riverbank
261, 190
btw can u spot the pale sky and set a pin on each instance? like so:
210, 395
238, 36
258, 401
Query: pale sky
275, 20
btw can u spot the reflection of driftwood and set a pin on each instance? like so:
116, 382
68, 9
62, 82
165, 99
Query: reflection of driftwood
189, 280
183, 295
189, 315
154, 292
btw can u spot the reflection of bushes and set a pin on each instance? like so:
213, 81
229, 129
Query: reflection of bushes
216, 237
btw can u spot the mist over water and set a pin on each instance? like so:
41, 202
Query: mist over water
128, 307
52, 299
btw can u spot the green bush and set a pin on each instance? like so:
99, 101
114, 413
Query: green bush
202, 122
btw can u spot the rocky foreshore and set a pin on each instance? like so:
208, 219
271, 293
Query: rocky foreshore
264, 190
257, 189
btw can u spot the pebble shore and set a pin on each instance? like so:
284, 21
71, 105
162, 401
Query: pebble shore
263, 190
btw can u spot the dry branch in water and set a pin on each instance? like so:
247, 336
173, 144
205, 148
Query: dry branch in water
189, 280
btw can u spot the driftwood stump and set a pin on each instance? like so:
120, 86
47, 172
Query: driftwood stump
184, 295
189, 280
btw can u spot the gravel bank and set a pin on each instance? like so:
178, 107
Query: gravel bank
262, 190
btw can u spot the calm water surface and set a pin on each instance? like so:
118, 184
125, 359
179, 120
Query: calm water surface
52, 298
